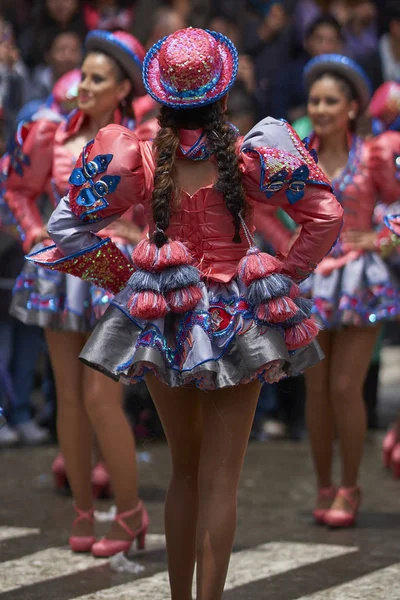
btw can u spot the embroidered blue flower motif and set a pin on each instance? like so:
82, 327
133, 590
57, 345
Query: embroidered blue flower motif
99, 190
18, 160
276, 183
306, 142
99, 164
94, 195
297, 184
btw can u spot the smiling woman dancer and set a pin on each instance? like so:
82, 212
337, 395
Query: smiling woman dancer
67, 307
201, 316
353, 289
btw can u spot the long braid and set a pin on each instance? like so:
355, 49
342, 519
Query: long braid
221, 140
222, 143
166, 144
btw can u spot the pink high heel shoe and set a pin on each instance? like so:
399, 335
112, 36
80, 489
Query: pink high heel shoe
105, 548
82, 543
324, 494
335, 517
389, 442
101, 483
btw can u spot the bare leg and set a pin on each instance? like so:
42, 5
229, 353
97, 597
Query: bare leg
103, 403
319, 414
227, 418
180, 414
74, 431
351, 356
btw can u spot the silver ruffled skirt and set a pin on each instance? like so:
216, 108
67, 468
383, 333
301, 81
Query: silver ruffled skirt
58, 301
219, 344
363, 292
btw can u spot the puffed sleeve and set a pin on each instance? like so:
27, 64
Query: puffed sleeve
384, 166
107, 180
278, 170
27, 171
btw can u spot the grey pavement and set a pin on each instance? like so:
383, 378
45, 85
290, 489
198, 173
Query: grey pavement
279, 553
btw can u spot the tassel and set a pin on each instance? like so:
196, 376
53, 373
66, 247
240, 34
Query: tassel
262, 290
147, 305
145, 255
172, 254
184, 299
277, 310
301, 335
179, 277
294, 291
256, 265
141, 281
305, 306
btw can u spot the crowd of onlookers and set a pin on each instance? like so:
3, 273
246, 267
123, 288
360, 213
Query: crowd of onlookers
40, 40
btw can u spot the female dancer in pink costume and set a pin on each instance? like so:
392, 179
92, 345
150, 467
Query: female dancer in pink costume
385, 111
201, 316
68, 307
353, 288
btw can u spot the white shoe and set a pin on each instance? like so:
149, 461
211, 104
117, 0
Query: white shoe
274, 429
31, 434
8, 437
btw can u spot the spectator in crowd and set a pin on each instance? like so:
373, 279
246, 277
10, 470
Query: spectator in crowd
361, 30
20, 346
54, 17
13, 79
63, 53
289, 96
108, 14
306, 11
166, 20
357, 17
384, 64
266, 39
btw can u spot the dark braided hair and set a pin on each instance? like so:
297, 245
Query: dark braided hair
221, 139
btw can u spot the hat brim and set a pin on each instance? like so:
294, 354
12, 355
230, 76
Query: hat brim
106, 42
152, 76
344, 66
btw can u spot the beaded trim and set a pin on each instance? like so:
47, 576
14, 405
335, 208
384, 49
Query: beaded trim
103, 264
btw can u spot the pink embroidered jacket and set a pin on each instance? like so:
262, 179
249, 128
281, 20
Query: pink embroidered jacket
116, 171
371, 176
39, 162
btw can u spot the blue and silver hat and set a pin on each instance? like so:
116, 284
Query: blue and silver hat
344, 66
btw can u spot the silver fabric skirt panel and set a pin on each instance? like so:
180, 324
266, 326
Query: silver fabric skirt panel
363, 292
219, 344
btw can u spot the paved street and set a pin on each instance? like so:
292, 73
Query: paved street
279, 553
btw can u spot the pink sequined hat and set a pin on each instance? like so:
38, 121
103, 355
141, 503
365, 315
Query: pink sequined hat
191, 67
125, 49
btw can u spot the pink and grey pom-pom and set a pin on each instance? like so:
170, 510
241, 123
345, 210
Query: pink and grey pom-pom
262, 290
165, 280
147, 305
301, 335
256, 265
147, 256
277, 310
